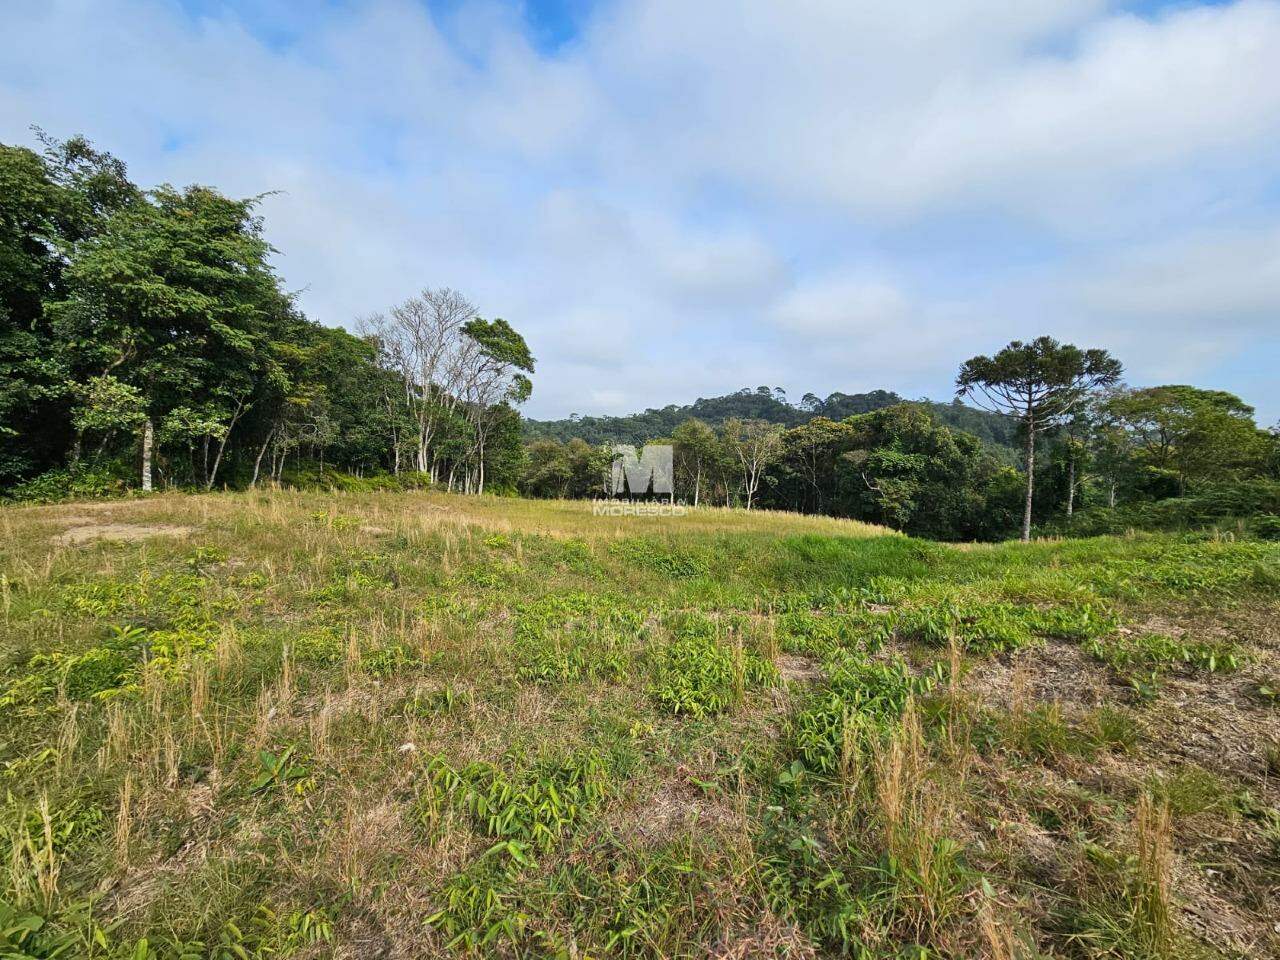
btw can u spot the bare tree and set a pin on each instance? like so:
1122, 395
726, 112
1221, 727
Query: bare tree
755, 444
421, 340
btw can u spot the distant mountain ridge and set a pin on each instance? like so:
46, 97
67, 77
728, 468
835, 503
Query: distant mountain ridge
764, 403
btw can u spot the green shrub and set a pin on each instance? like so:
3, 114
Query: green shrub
979, 627
97, 671
77, 483
1265, 526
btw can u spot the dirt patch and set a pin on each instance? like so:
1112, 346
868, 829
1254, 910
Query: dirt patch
1212, 721
1058, 671
672, 811
795, 669
118, 531
767, 939
374, 531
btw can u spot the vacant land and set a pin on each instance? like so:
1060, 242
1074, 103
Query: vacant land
279, 724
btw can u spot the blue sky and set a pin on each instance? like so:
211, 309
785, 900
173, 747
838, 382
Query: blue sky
673, 200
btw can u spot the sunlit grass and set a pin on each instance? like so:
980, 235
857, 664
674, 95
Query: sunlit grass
277, 722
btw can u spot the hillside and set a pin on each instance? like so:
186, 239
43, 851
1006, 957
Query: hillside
274, 724
763, 404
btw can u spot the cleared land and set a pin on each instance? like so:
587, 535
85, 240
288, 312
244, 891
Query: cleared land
404, 725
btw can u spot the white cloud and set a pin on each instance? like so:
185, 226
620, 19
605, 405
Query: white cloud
694, 197
842, 307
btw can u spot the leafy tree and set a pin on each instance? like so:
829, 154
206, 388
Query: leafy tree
1039, 383
496, 380
1192, 433
564, 470
696, 447
48, 204
915, 474
175, 297
809, 459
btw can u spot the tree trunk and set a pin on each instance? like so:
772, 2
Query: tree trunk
222, 446
148, 437
257, 464
1111, 495
697, 483
1071, 486
1031, 477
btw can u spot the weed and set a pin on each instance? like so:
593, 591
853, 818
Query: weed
1271, 758
281, 771
979, 627
1156, 651
389, 661
861, 700
698, 674
447, 700
531, 811
1190, 790
1150, 888
652, 555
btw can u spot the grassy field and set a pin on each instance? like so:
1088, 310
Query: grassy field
281, 724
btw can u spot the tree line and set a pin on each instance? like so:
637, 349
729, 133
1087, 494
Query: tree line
146, 340
1097, 456
771, 405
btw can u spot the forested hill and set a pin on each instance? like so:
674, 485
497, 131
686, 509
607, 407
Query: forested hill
763, 403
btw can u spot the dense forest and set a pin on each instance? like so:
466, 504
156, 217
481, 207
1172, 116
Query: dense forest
145, 341
771, 405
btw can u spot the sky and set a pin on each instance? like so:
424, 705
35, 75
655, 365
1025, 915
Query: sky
674, 199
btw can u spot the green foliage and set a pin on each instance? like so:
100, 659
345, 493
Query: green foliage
389, 661
1127, 652
529, 812
78, 483
316, 647
98, 673
1191, 790
821, 633
993, 627
447, 700
266, 934
1045, 733
567, 637
704, 671
862, 698
127, 314
653, 555
281, 771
